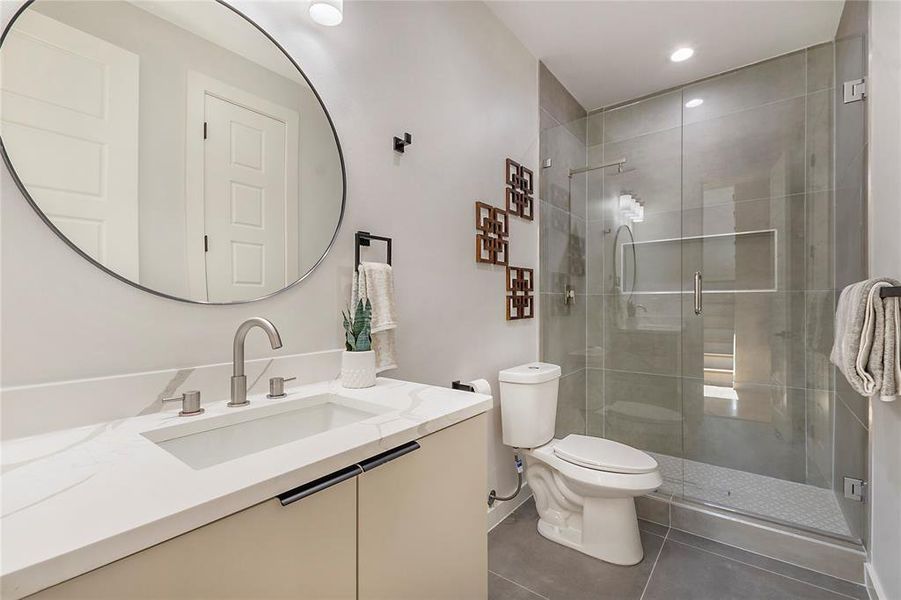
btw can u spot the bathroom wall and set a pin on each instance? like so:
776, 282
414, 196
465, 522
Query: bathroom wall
562, 207
884, 106
748, 386
448, 72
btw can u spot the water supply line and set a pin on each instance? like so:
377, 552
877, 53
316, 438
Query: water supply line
492, 495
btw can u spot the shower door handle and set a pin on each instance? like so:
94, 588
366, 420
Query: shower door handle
699, 284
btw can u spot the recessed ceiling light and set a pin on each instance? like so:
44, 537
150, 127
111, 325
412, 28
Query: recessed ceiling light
327, 12
694, 102
681, 54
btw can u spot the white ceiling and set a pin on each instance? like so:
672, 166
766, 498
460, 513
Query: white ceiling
607, 52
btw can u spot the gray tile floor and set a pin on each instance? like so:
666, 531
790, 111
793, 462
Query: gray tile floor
677, 566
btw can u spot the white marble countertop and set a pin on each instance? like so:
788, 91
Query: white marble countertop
77, 499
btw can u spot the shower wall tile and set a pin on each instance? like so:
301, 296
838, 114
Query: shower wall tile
851, 442
562, 333
646, 331
596, 247
571, 410
594, 181
545, 121
595, 126
819, 311
857, 405
818, 237
764, 333
851, 244
562, 245
644, 116
594, 331
653, 173
757, 153
820, 408
819, 140
790, 248
644, 411
595, 402
761, 430
756, 85
557, 100
820, 65
565, 152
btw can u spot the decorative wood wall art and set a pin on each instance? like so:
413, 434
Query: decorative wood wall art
520, 287
492, 239
519, 191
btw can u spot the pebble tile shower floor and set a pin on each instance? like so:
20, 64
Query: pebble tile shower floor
523, 565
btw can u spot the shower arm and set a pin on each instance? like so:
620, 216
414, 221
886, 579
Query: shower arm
616, 163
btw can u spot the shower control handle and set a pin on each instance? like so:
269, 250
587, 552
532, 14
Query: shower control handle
699, 303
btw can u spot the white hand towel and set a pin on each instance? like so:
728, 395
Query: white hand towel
375, 282
867, 331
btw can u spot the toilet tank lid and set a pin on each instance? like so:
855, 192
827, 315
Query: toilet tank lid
535, 372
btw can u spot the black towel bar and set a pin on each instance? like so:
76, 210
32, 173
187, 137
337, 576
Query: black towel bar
890, 292
363, 238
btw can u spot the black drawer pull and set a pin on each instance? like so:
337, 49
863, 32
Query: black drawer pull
308, 489
380, 459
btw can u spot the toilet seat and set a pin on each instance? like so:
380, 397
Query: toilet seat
600, 454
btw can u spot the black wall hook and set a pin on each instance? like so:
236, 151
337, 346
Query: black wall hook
401, 144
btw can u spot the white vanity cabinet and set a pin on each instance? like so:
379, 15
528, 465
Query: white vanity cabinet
408, 525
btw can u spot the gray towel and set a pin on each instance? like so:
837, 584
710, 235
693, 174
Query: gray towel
867, 330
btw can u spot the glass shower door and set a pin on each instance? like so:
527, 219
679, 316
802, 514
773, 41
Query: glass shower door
634, 319
757, 296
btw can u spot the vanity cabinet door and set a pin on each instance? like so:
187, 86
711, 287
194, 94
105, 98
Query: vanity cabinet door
422, 520
305, 550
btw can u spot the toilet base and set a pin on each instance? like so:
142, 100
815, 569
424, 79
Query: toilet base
607, 530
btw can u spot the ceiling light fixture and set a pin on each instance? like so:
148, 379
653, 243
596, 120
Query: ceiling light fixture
694, 102
682, 54
327, 12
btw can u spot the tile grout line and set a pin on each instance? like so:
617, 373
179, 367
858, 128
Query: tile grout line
519, 585
654, 566
759, 568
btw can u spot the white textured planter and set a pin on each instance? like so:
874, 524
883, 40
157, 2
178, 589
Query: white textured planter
358, 369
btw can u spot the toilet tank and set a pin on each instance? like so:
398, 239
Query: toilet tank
529, 404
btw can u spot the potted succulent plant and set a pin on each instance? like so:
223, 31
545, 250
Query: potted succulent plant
358, 361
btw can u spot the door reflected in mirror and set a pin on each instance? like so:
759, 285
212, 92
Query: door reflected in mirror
174, 144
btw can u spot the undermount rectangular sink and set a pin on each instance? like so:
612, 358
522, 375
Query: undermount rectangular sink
207, 442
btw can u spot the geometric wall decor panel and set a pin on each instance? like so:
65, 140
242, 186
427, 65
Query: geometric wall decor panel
520, 287
493, 232
520, 189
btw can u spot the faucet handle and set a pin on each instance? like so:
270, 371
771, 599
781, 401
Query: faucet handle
190, 403
277, 387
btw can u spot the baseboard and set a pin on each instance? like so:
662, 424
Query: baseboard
501, 510
874, 586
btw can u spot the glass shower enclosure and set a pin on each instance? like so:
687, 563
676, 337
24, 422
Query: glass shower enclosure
709, 289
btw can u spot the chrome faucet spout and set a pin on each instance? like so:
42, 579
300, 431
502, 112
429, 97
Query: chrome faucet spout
239, 380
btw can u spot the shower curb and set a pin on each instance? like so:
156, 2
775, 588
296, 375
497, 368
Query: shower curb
843, 560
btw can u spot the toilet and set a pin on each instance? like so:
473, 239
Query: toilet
584, 486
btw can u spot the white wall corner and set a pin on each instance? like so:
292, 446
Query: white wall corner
874, 587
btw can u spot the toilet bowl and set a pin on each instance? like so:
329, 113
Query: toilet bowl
584, 486
591, 507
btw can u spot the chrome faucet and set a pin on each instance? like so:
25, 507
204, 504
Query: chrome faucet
239, 380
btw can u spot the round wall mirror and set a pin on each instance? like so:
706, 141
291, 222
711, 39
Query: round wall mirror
173, 144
